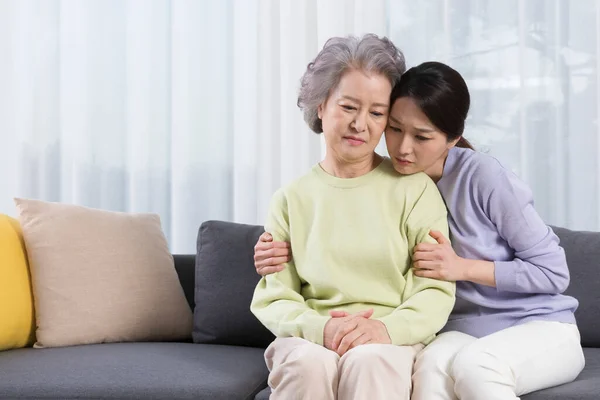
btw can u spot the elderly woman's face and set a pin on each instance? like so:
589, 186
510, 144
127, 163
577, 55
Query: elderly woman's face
355, 114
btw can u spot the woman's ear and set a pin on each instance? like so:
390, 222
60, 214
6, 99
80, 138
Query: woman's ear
452, 143
320, 111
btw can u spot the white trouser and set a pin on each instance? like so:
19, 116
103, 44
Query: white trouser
302, 370
504, 365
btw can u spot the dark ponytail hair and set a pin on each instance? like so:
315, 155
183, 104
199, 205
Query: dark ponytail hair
441, 93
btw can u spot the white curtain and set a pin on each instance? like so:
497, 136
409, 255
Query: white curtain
187, 108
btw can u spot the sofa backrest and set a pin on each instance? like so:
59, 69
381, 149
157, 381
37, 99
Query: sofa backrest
185, 265
234, 244
583, 256
225, 283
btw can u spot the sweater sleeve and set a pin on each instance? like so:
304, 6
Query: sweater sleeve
539, 264
426, 303
277, 302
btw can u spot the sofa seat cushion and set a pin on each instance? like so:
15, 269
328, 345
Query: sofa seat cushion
263, 394
133, 371
586, 386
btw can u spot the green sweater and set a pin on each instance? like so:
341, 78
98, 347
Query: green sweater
352, 241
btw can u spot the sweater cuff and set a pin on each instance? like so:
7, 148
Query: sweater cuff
313, 328
398, 329
505, 273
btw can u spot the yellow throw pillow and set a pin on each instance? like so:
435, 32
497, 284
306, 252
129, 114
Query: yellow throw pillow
17, 319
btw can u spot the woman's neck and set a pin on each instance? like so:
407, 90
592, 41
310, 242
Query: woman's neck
344, 169
436, 171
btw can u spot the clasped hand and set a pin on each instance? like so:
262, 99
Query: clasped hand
345, 331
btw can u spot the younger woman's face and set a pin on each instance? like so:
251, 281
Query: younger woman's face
413, 142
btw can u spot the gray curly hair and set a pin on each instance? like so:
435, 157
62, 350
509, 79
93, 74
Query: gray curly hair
368, 53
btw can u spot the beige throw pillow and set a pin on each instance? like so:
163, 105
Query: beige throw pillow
101, 276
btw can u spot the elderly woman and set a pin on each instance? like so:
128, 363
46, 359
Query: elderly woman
353, 222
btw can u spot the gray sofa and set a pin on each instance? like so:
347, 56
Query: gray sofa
224, 357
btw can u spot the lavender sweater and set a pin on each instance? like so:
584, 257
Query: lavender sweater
491, 217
